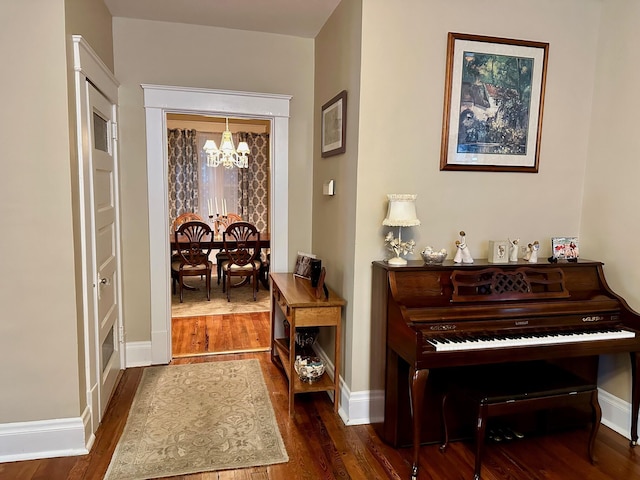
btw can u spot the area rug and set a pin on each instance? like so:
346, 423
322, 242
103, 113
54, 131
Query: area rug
198, 418
195, 301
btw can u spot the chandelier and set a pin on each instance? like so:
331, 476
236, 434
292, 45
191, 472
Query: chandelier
226, 155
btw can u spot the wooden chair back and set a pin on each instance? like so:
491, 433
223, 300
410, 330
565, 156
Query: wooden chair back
193, 241
185, 217
241, 242
220, 224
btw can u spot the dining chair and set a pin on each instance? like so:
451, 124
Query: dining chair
185, 217
192, 258
241, 242
220, 224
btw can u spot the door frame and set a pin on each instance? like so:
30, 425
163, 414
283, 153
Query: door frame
89, 68
160, 100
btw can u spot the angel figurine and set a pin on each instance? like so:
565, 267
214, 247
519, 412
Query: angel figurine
463, 255
513, 253
533, 257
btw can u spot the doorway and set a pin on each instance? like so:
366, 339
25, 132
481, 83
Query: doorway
96, 98
199, 326
158, 102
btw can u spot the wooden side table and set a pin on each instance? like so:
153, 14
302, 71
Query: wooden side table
295, 297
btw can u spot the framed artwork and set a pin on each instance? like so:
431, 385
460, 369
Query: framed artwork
565, 248
493, 102
334, 125
498, 251
303, 265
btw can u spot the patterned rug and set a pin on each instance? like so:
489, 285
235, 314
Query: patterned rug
198, 418
195, 301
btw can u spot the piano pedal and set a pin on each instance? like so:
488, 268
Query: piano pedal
495, 436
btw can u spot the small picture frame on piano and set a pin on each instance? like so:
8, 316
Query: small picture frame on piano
565, 248
498, 251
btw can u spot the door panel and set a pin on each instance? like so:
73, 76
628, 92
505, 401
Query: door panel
106, 253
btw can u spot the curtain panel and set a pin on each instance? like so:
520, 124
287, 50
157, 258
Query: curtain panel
253, 182
182, 173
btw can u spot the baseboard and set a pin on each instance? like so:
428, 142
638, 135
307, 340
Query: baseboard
138, 354
616, 413
62, 437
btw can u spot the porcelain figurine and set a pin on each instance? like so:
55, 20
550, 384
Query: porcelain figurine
533, 256
513, 253
463, 255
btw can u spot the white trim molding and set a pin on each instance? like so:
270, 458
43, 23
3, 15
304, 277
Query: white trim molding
63, 437
616, 413
160, 100
138, 354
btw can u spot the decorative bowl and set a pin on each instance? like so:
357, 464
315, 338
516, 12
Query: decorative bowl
309, 369
433, 257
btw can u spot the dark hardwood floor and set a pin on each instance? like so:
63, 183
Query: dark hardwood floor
320, 446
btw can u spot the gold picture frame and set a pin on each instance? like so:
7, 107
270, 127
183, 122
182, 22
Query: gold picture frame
493, 103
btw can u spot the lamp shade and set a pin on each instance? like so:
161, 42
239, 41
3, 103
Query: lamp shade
401, 211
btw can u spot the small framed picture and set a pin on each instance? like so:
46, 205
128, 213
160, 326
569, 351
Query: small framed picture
303, 265
334, 125
498, 251
565, 248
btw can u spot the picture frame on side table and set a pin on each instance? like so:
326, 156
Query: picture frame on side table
494, 98
303, 265
498, 251
334, 126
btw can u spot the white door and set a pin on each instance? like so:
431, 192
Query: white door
105, 217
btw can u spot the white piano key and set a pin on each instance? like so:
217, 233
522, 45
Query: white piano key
558, 338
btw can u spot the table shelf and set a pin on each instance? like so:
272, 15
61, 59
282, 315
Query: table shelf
296, 299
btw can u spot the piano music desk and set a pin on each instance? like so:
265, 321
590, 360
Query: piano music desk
295, 297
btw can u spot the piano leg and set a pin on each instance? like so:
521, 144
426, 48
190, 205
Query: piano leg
418, 381
635, 396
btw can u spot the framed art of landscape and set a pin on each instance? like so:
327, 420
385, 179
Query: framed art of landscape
334, 125
494, 97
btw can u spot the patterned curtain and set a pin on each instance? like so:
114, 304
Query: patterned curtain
253, 182
183, 173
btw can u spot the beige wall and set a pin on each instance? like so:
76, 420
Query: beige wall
401, 94
38, 336
611, 224
161, 53
337, 68
92, 20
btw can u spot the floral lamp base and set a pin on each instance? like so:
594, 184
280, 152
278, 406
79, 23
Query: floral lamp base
397, 261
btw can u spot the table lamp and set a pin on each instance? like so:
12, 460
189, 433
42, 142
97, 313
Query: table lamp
401, 213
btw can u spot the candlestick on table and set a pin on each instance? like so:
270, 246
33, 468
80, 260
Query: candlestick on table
217, 213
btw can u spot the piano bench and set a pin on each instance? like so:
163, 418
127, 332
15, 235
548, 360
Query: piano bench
518, 387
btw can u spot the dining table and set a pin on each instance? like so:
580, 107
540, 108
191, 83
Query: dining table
218, 244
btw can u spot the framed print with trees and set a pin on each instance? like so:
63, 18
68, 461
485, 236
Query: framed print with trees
493, 102
334, 125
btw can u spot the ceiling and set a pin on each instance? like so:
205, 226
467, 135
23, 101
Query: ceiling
300, 18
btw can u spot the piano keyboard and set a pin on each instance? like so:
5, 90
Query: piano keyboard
482, 341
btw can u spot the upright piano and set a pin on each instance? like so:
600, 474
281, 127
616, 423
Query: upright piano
454, 315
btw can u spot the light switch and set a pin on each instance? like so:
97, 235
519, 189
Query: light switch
327, 188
